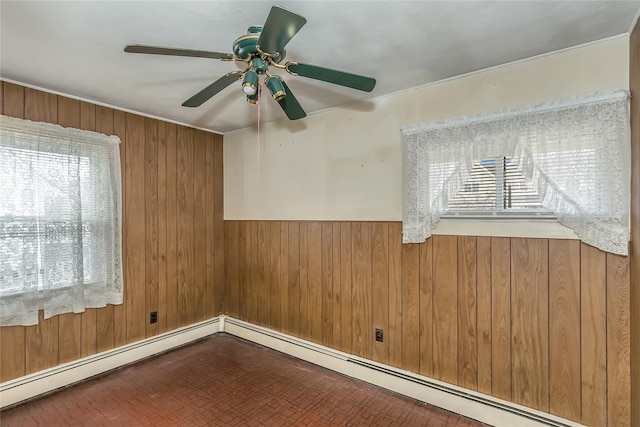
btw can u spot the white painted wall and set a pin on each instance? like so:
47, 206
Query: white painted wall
345, 163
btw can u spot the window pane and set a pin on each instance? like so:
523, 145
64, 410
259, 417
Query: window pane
47, 213
496, 185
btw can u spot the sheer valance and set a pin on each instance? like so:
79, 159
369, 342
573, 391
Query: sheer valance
60, 221
575, 152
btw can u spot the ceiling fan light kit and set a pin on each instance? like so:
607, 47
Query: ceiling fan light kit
250, 82
253, 99
261, 48
276, 87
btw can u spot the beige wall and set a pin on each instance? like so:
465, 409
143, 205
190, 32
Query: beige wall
345, 164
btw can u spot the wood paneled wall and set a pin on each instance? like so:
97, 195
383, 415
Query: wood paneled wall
634, 85
542, 323
173, 244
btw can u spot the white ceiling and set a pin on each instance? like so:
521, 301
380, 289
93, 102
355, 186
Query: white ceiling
77, 47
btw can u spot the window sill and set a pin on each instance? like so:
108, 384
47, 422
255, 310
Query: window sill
497, 228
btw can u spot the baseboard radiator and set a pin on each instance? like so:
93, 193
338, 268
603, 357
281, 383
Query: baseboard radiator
465, 402
48, 380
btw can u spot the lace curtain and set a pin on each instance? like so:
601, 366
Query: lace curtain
575, 152
60, 221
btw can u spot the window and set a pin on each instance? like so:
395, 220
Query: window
59, 221
566, 159
497, 188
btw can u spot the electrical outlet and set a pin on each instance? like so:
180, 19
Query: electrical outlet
153, 317
379, 335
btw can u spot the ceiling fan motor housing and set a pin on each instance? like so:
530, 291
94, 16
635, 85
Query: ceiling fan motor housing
245, 46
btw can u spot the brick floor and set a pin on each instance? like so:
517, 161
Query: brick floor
225, 381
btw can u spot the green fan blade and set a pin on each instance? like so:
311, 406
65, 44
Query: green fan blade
205, 94
158, 50
333, 76
290, 105
279, 28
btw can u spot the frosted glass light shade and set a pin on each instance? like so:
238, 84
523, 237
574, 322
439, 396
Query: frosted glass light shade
250, 82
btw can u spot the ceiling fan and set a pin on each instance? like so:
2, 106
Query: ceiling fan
261, 48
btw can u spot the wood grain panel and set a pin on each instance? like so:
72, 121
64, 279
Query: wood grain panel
200, 227
304, 322
42, 340
445, 308
274, 270
368, 289
483, 259
221, 300
326, 285
186, 285
231, 264
88, 339
467, 313
13, 100
210, 224
40, 106
618, 342
105, 316
87, 116
228, 266
151, 223
135, 226
411, 307
314, 286
530, 322
69, 112
394, 334
264, 276
1, 97
12, 352
120, 311
41, 344
380, 301
292, 307
242, 271
337, 286
69, 337
346, 280
172, 227
593, 321
252, 272
361, 290
210, 180
284, 275
501, 317
426, 308
564, 322
162, 227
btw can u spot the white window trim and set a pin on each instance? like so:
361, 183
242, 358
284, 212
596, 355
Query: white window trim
539, 229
